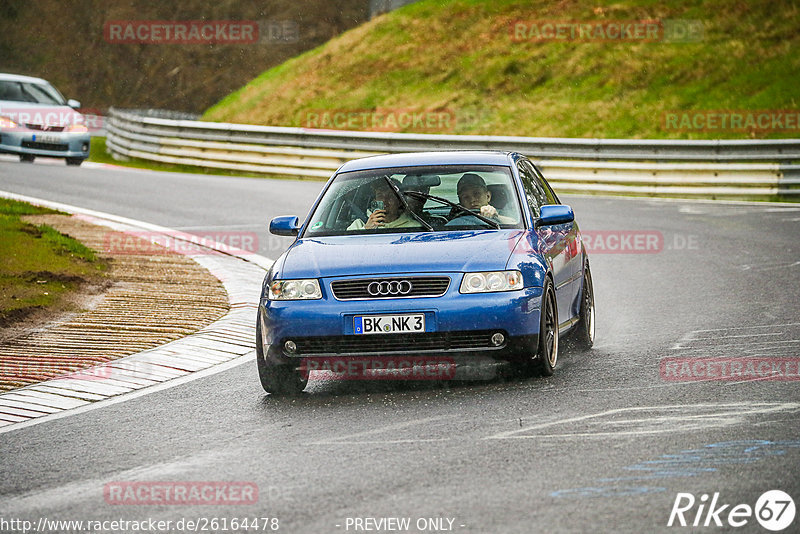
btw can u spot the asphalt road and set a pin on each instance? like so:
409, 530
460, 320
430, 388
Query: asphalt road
605, 445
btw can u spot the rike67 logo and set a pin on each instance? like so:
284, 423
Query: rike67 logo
774, 510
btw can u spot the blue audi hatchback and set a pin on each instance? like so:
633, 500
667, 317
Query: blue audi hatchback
450, 254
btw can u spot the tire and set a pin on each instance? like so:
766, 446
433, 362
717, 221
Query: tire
543, 358
26, 158
583, 336
74, 161
547, 351
277, 379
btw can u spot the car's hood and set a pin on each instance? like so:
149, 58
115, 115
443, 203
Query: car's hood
477, 250
40, 114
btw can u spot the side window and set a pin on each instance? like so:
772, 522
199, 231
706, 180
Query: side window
534, 194
542, 183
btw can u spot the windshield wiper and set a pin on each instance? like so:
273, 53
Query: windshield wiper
404, 202
459, 207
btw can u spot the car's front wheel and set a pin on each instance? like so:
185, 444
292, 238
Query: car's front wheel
542, 359
277, 379
26, 158
547, 356
74, 161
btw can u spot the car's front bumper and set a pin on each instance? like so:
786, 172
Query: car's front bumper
455, 324
45, 144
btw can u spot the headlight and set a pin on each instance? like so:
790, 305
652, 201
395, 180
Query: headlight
77, 128
492, 281
294, 290
5, 122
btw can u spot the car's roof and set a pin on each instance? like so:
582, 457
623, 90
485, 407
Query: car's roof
19, 78
446, 157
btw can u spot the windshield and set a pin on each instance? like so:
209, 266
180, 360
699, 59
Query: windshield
417, 199
35, 93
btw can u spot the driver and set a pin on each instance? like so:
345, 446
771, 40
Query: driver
392, 215
474, 195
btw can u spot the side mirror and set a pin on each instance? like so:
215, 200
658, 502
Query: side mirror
287, 225
554, 214
74, 104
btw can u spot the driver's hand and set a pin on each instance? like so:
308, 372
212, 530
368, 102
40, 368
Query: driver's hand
489, 211
376, 219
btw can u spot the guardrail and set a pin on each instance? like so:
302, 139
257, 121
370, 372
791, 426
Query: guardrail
680, 168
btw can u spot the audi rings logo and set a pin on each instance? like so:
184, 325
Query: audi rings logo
389, 288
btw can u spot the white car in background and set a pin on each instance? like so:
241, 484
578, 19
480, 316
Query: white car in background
36, 120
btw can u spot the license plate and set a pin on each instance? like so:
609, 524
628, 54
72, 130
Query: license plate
389, 324
44, 138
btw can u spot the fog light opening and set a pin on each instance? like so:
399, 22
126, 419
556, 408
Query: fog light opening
498, 339
85, 147
290, 347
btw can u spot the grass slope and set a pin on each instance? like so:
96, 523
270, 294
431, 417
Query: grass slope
38, 265
459, 57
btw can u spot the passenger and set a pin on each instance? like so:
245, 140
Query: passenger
391, 216
474, 195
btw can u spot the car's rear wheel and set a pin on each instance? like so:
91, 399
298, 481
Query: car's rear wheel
275, 378
584, 330
74, 161
26, 158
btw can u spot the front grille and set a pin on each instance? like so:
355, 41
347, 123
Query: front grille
421, 286
63, 147
394, 343
45, 128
